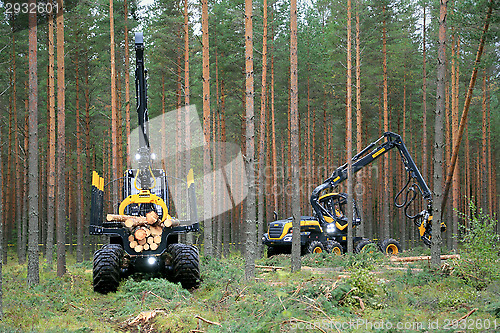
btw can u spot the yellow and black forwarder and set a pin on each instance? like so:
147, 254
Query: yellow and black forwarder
327, 229
143, 237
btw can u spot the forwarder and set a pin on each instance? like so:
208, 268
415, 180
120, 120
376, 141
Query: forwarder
143, 237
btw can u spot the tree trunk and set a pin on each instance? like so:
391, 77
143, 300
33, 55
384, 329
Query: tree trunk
87, 248
454, 130
294, 142
424, 100
127, 83
262, 134
187, 129
114, 112
386, 218
51, 154
61, 146
484, 150
33, 275
350, 177
360, 188
79, 185
438, 135
251, 238
208, 234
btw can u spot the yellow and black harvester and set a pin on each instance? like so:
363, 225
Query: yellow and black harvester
326, 230
143, 237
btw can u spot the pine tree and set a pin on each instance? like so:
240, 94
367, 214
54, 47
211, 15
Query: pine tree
262, 131
294, 139
61, 145
33, 275
251, 237
438, 133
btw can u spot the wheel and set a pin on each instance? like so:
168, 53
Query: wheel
315, 247
106, 270
186, 265
271, 251
334, 247
359, 247
390, 247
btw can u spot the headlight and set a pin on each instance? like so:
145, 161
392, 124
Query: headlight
330, 228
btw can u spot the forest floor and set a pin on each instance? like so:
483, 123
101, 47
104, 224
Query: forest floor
358, 293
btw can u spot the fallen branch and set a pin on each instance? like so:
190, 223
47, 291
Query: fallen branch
292, 320
467, 315
207, 321
269, 268
422, 258
361, 303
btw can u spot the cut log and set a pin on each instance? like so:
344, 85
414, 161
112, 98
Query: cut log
146, 247
142, 241
133, 244
138, 248
123, 218
151, 240
131, 238
140, 233
157, 239
152, 217
153, 246
171, 223
420, 258
156, 230
129, 223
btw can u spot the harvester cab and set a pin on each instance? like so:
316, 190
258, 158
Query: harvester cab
143, 237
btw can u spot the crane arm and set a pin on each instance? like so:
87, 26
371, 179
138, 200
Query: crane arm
423, 220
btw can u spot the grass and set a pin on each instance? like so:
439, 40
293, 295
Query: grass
360, 293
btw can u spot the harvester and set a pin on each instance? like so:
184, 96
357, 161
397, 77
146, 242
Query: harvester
326, 230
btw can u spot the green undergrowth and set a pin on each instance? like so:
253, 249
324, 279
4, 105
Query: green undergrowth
365, 293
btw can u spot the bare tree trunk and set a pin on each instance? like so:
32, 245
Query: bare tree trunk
87, 248
294, 139
350, 180
273, 141
51, 155
360, 188
454, 130
33, 276
79, 169
187, 129
251, 238
438, 135
127, 83
424, 100
262, 134
208, 234
61, 146
114, 116
385, 232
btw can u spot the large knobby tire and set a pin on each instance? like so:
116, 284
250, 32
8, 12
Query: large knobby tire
186, 265
271, 251
315, 247
390, 247
106, 271
361, 246
334, 247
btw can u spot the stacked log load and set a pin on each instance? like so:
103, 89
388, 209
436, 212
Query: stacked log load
145, 231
